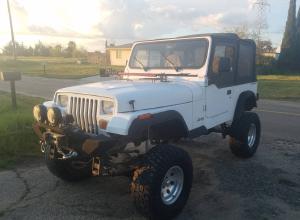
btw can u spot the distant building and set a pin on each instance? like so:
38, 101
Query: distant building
119, 55
273, 54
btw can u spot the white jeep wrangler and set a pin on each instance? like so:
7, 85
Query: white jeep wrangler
175, 88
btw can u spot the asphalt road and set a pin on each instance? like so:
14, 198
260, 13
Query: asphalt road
46, 87
266, 186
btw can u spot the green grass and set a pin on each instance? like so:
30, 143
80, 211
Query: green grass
279, 87
279, 77
17, 139
56, 67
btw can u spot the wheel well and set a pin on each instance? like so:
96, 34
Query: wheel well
246, 102
161, 126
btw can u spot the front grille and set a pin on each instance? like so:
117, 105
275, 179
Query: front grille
84, 111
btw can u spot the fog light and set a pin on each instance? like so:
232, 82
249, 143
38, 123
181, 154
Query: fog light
54, 116
40, 113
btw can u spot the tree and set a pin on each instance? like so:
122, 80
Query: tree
71, 49
56, 51
243, 31
20, 49
30, 51
298, 20
287, 57
267, 46
298, 40
41, 50
8, 49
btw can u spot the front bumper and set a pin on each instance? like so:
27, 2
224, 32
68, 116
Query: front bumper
69, 138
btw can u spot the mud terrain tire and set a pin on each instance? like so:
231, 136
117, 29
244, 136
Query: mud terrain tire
245, 135
149, 187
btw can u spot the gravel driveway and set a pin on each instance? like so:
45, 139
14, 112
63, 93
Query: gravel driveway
266, 186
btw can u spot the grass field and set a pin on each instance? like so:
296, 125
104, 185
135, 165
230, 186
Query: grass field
17, 139
55, 67
279, 87
279, 77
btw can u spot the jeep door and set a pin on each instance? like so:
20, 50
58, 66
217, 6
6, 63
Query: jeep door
221, 76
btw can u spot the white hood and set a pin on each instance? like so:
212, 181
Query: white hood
146, 94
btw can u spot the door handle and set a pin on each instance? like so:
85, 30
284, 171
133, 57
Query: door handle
229, 92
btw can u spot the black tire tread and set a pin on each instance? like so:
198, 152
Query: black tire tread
238, 143
156, 162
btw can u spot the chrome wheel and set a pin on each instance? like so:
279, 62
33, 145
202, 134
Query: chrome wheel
251, 135
172, 185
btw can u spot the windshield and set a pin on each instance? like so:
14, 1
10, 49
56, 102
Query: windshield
179, 54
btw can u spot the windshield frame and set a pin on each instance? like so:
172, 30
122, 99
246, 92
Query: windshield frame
170, 67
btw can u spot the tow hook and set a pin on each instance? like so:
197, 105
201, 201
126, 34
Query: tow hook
43, 146
65, 156
69, 155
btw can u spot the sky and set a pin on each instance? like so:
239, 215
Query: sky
89, 23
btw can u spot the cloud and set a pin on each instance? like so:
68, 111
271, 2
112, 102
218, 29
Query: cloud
136, 19
49, 31
123, 20
212, 20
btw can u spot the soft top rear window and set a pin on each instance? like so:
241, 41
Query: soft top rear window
182, 54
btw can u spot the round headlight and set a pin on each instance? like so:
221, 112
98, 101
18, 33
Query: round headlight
107, 107
54, 116
40, 113
63, 100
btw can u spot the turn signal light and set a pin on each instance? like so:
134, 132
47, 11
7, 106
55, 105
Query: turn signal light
103, 124
145, 116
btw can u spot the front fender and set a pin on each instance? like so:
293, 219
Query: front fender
163, 125
246, 102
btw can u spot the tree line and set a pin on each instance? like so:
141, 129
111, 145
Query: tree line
290, 49
41, 49
263, 46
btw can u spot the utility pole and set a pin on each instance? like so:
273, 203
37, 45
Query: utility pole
261, 22
12, 31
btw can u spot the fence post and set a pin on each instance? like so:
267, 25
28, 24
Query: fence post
13, 94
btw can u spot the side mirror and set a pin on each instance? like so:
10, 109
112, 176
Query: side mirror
224, 65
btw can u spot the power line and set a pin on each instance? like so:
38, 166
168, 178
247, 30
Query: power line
261, 7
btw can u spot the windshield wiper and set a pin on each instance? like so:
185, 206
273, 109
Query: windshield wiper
176, 68
141, 64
